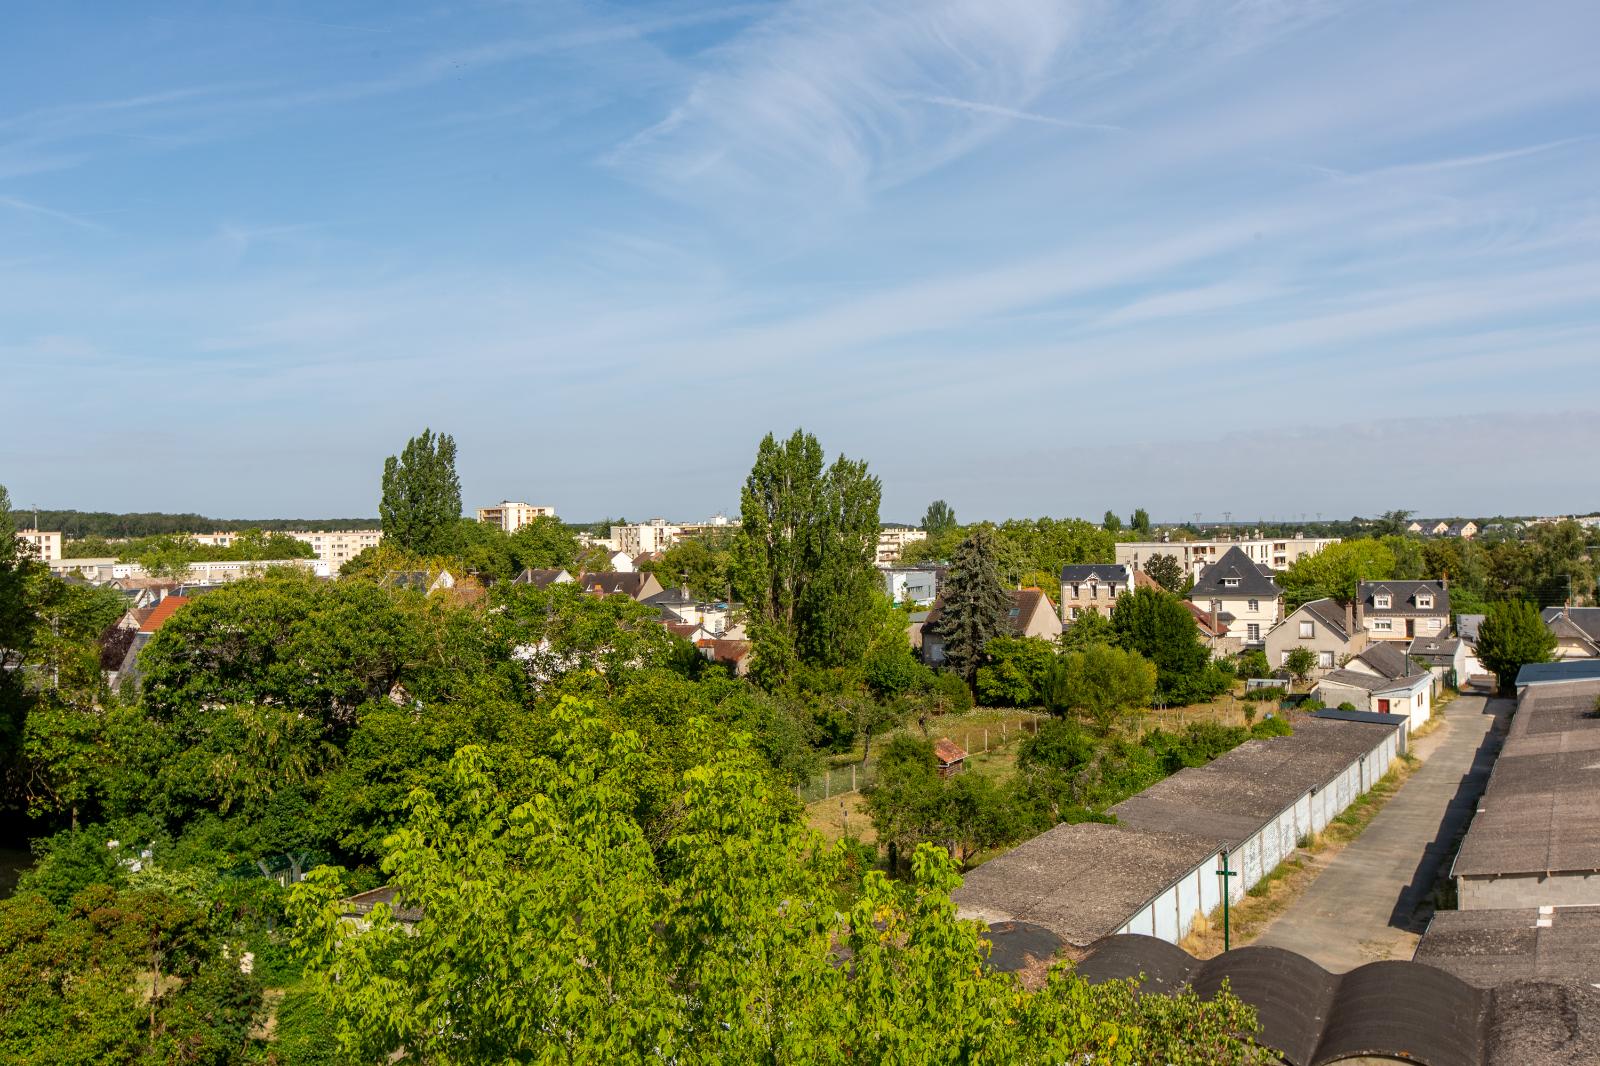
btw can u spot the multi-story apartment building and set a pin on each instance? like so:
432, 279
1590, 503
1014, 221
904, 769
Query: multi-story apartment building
45, 547
512, 515
656, 535
338, 547
214, 540
892, 540
1275, 553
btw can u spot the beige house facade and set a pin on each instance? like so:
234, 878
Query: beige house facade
1096, 587
1325, 627
1240, 592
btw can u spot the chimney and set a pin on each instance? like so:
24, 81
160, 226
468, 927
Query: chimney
1350, 619
1444, 580
1361, 610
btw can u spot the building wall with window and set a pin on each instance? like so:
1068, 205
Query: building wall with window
1307, 628
44, 546
338, 547
512, 515
1278, 553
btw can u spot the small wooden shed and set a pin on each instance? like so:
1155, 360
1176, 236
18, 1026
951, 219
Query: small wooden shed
950, 755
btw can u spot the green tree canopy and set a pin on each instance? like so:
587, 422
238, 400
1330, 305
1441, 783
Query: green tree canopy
974, 605
1335, 571
421, 504
1111, 523
1512, 636
1101, 683
1165, 570
1140, 522
716, 943
1159, 626
806, 547
938, 519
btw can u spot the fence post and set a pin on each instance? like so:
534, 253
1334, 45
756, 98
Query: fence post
1002, 734
827, 781
985, 738
852, 777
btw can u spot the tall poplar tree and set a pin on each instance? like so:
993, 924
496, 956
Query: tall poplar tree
805, 550
939, 518
975, 605
422, 495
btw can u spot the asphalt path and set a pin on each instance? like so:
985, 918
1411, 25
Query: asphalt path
1372, 899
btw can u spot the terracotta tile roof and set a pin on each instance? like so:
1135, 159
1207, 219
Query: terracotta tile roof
948, 751
160, 613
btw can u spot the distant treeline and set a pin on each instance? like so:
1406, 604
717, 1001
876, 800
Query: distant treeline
154, 523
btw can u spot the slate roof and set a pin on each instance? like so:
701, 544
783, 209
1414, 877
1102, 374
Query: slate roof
1389, 661
676, 597
540, 578
1082, 882
611, 583
1329, 613
1255, 582
1024, 604
1541, 810
1582, 622
1107, 573
1467, 626
1403, 598
1438, 650
1356, 679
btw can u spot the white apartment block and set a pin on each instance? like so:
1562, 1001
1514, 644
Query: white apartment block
892, 541
335, 548
656, 535
215, 540
512, 515
45, 547
1275, 553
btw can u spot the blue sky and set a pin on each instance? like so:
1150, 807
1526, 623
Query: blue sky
1031, 257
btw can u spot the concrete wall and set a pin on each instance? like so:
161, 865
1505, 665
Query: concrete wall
1171, 914
1528, 890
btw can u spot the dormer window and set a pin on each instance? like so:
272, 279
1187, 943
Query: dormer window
1424, 600
1381, 601
1230, 582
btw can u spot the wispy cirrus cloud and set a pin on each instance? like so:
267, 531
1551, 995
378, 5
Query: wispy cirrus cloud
821, 99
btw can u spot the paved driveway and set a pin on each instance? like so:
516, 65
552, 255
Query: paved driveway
1369, 900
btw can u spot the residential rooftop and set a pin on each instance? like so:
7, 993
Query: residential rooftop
1492, 947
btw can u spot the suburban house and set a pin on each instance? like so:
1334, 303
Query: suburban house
634, 585
1445, 657
1576, 629
1403, 610
543, 578
1096, 586
426, 582
1325, 626
1242, 593
1381, 678
679, 606
918, 585
734, 654
1031, 615
1214, 632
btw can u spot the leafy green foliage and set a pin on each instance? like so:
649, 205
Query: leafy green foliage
717, 944
1015, 672
1253, 664
1512, 636
1111, 523
704, 565
938, 519
1158, 626
1166, 571
1139, 523
1101, 683
1300, 662
421, 507
974, 604
805, 551
1335, 571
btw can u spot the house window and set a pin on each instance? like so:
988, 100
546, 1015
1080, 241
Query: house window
1382, 625
1425, 601
1325, 659
1308, 630
1253, 631
1075, 614
1433, 624
1255, 605
1230, 582
1381, 601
